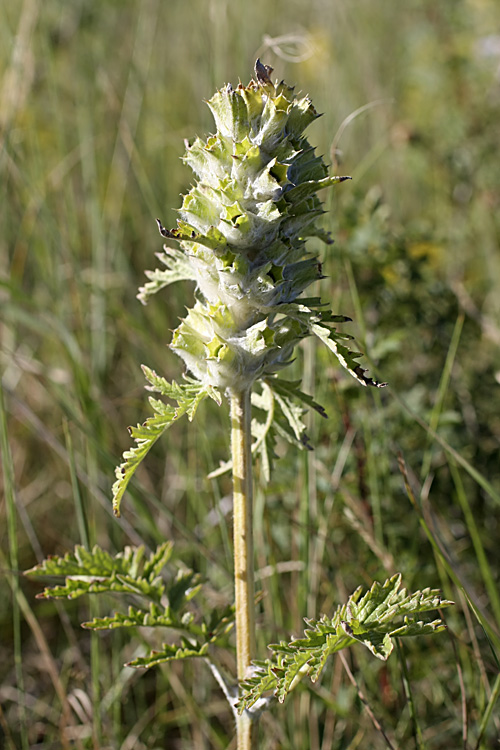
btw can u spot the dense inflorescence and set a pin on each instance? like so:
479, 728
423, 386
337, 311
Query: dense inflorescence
242, 239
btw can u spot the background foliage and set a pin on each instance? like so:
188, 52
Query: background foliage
95, 100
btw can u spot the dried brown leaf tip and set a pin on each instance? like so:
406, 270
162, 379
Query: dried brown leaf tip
263, 72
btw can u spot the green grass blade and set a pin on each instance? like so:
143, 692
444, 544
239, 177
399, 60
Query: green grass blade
443, 556
77, 495
417, 730
488, 712
476, 475
10, 505
442, 390
484, 566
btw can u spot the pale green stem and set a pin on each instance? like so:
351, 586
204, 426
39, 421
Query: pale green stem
241, 439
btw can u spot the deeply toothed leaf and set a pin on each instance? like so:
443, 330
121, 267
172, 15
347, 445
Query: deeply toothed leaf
374, 620
188, 397
170, 653
96, 571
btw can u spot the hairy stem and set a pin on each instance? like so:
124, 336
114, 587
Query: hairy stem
243, 550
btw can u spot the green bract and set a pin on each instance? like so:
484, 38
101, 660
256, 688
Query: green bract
242, 236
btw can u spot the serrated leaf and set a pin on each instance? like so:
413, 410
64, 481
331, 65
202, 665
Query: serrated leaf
305, 189
170, 653
178, 268
134, 618
83, 563
188, 396
380, 644
157, 560
283, 405
372, 620
265, 679
185, 587
168, 597
419, 628
293, 413
96, 571
220, 622
76, 586
385, 601
291, 388
345, 356
290, 404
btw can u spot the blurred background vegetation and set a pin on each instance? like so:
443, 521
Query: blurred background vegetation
95, 101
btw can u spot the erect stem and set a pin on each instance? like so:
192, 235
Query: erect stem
241, 439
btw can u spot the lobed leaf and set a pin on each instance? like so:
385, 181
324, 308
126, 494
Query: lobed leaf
170, 653
168, 596
96, 571
134, 618
345, 356
90, 564
178, 268
188, 396
291, 389
184, 588
157, 560
195, 640
373, 620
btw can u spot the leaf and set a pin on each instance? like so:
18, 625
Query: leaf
197, 641
90, 564
188, 395
96, 572
190, 388
170, 653
372, 620
384, 602
346, 357
157, 560
178, 268
168, 595
291, 388
185, 587
305, 189
134, 618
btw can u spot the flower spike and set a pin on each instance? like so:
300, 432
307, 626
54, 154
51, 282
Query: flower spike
242, 234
